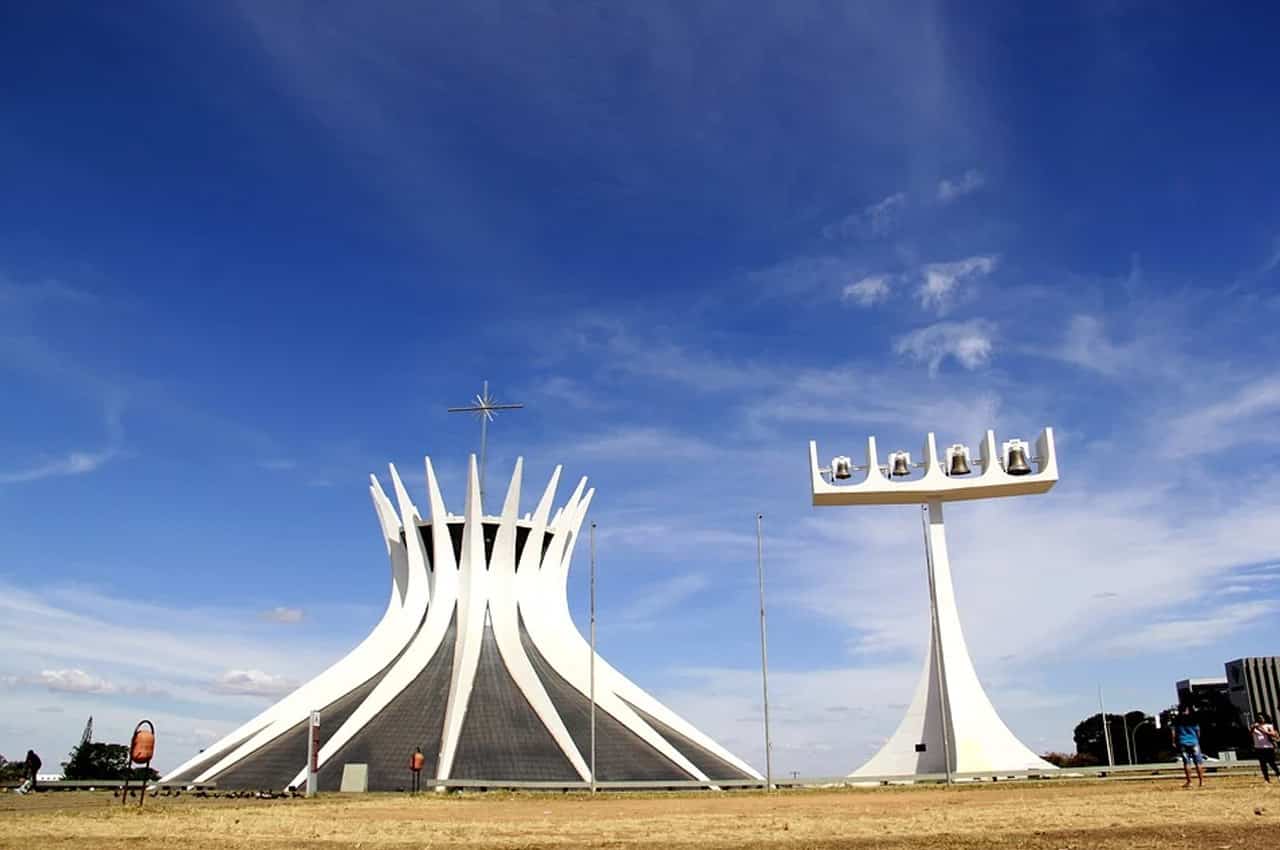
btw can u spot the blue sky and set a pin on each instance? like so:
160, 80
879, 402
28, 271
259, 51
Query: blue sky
249, 253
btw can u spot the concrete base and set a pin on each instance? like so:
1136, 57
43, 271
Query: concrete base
355, 778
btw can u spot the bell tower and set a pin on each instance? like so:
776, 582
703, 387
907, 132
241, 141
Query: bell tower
951, 726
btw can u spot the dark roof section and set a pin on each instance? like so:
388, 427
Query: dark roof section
207, 762
274, 765
620, 753
414, 718
502, 737
705, 760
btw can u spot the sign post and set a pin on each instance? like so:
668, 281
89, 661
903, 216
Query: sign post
313, 753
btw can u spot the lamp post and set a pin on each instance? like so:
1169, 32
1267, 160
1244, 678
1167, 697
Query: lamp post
764, 655
1133, 733
951, 726
592, 663
1106, 729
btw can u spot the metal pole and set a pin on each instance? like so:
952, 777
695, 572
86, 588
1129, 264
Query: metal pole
764, 655
593, 658
1133, 735
1128, 749
484, 438
944, 699
1106, 729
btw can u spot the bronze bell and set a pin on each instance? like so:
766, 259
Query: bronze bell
1017, 464
901, 468
841, 468
959, 461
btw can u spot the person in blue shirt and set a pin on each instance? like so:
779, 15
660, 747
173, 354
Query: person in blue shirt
1186, 739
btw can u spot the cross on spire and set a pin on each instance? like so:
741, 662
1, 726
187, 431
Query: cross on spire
484, 408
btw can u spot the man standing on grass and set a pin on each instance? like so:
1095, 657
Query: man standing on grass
1186, 738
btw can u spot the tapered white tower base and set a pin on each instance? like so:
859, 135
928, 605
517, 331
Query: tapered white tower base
951, 726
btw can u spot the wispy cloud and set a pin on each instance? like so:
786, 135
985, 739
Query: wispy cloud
75, 463
1273, 259
941, 281
34, 294
868, 292
877, 219
282, 614
1086, 343
1191, 631
953, 188
565, 390
805, 274
278, 464
640, 441
1246, 415
883, 216
658, 599
252, 683
969, 343
76, 681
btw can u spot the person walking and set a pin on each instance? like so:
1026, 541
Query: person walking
1265, 737
33, 764
1186, 739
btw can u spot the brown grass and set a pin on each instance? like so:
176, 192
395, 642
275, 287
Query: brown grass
1056, 815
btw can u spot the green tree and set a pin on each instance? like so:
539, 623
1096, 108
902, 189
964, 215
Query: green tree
1147, 743
96, 760
12, 772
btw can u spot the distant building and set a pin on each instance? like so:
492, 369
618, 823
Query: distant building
1254, 687
1191, 690
1210, 703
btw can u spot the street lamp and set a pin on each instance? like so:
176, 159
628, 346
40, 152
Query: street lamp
1133, 733
951, 725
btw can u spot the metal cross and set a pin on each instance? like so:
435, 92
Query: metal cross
484, 408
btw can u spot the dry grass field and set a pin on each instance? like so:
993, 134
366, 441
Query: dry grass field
1227, 813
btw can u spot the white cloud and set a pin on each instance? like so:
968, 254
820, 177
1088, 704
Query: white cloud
1273, 260
878, 219
659, 598
802, 275
281, 614
640, 441
252, 683
278, 464
884, 215
1246, 415
30, 294
952, 188
868, 291
969, 343
561, 389
75, 463
1187, 632
942, 280
1087, 344
74, 681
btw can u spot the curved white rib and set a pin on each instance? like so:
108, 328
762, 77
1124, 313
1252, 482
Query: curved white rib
365, 661
549, 624
423, 646
607, 674
503, 611
472, 605
407, 600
